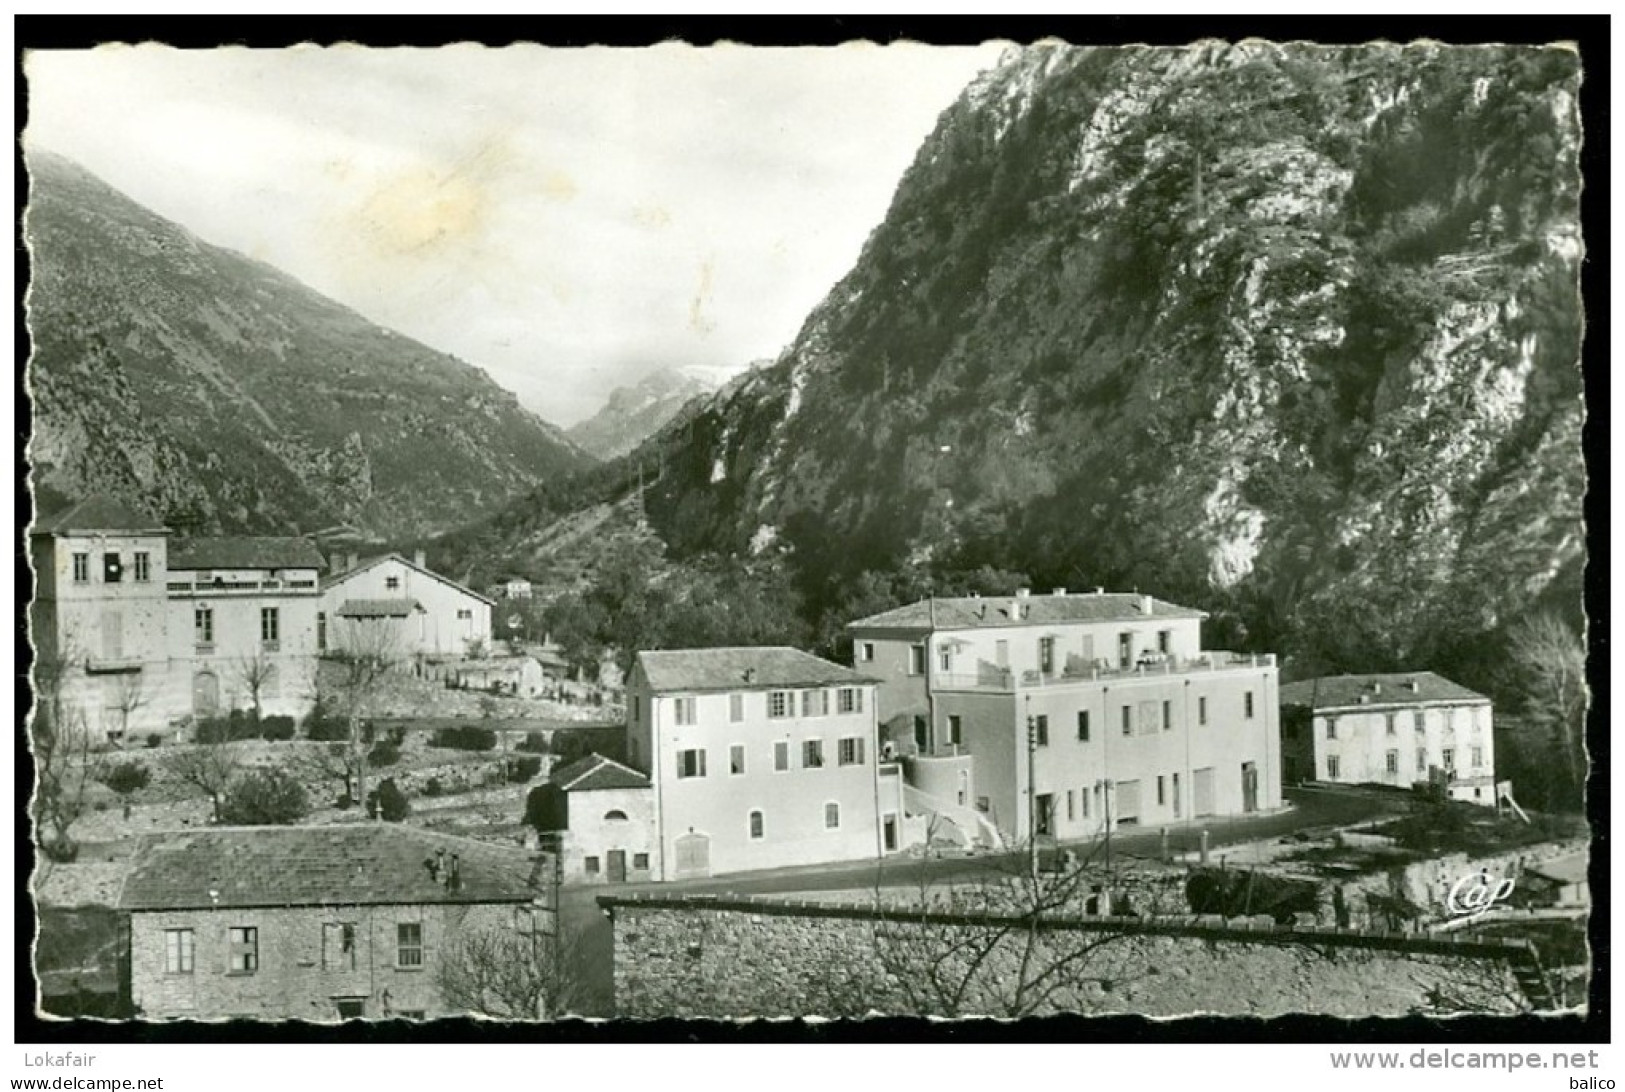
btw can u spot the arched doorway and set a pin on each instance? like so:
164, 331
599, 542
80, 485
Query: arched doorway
205, 694
693, 854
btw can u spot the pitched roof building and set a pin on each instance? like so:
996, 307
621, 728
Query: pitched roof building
712, 669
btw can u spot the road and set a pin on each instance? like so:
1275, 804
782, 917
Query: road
1310, 810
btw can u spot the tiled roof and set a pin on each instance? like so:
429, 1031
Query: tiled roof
1574, 868
378, 608
1344, 691
991, 611
597, 772
355, 864
741, 669
339, 578
244, 553
98, 513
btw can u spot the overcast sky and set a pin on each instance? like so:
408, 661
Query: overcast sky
566, 219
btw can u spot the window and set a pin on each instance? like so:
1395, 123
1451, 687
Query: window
178, 951
1447, 758
832, 817
916, 659
1046, 655
1041, 730
244, 945
849, 700
321, 632
1128, 720
1331, 727
1071, 806
1165, 641
640, 861
1247, 705
685, 709
781, 755
409, 944
351, 1008
392, 583
756, 827
736, 759
736, 707
780, 703
1332, 767
143, 567
615, 815
411, 1014
270, 627
1083, 725
464, 614
338, 946
1421, 762
1201, 710
945, 659
1162, 791
1450, 720
812, 754
1419, 720
954, 737
815, 703
1046, 812
1392, 721
1392, 761
1178, 807
1125, 650
1167, 716
1478, 758
112, 568
866, 651
1083, 802
691, 762
590, 866
849, 751
81, 568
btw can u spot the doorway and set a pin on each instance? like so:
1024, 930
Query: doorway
1249, 786
888, 831
617, 865
205, 694
694, 855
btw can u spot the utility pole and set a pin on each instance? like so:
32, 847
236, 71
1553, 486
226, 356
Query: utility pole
1032, 795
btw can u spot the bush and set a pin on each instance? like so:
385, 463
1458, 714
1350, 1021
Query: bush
534, 743
154, 740
277, 729
390, 802
384, 753
265, 798
127, 777
434, 787
466, 737
545, 808
230, 728
521, 770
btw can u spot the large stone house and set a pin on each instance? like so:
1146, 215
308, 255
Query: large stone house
758, 758
1397, 729
315, 923
1063, 716
136, 630
425, 614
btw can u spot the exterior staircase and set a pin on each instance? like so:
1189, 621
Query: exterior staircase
970, 827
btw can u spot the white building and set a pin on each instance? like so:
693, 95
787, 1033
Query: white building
1069, 715
1395, 729
604, 815
432, 615
759, 758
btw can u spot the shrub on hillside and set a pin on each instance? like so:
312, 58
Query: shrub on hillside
466, 737
389, 802
265, 798
127, 778
534, 743
384, 753
154, 740
434, 787
521, 770
277, 728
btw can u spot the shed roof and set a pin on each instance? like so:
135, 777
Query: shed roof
986, 612
244, 553
98, 513
594, 771
741, 669
353, 864
1345, 691
378, 608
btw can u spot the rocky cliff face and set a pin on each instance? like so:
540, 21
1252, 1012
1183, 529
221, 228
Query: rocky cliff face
224, 395
1289, 333
635, 413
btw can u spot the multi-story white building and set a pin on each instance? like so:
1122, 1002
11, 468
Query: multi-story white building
758, 758
1068, 715
144, 630
1390, 730
431, 615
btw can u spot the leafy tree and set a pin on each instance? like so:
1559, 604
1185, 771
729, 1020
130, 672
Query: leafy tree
126, 778
265, 798
61, 744
391, 802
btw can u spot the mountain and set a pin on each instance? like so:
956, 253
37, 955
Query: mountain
1290, 333
224, 395
635, 413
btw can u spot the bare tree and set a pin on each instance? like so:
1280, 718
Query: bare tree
129, 695
1551, 665
335, 762
256, 671
63, 765
363, 654
518, 973
209, 767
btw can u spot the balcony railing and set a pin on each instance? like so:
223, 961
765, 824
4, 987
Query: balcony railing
238, 587
109, 665
990, 678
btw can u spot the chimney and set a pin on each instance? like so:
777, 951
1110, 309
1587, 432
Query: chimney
1060, 592
351, 560
1412, 685
1376, 688
750, 674
1099, 590
1365, 699
454, 878
1022, 593
419, 559
1146, 604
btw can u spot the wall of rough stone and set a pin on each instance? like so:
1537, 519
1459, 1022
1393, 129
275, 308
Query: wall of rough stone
736, 958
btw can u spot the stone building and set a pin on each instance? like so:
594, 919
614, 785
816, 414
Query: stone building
1067, 715
1391, 730
427, 614
758, 757
141, 630
314, 923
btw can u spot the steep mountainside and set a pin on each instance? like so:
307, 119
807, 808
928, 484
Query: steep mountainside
1288, 333
635, 413
224, 395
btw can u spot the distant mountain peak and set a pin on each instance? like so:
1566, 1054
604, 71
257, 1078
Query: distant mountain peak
635, 412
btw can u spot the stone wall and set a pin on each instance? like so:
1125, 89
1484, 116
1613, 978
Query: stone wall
700, 957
